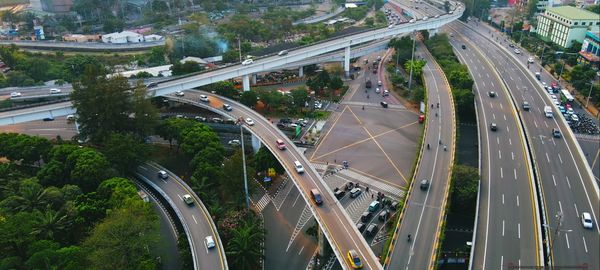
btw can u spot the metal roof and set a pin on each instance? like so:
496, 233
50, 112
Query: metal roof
573, 13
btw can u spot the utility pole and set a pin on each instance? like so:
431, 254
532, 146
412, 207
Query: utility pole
557, 230
244, 166
412, 59
240, 47
589, 94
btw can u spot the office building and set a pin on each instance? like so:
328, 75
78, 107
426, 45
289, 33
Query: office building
563, 25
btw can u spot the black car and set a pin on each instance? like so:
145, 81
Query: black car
384, 104
492, 94
493, 127
366, 216
339, 193
361, 227
511, 45
372, 229
424, 184
556, 133
48, 119
384, 215
227, 107
463, 47
285, 120
280, 125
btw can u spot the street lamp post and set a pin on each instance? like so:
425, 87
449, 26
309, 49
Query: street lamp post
244, 167
412, 59
589, 94
240, 47
557, 230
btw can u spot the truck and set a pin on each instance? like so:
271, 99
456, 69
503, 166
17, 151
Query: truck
548, 112
368, 84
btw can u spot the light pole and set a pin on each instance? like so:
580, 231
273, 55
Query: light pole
589, 94
412, 59
244, 166
557, 230
239, 47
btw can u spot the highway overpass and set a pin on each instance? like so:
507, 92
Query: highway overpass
335, 223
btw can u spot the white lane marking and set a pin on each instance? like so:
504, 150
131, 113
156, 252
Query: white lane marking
499, 154
503, 227
488, 75
493, 84
494, 116
576, 211
511, 78
504, 117
568, 182
553, 180
194, 218
501, 107
519, 230
501, 173
143, 168
584, 245
560, 158
546, 123
560, 207
554, 142
296, 199
507, 129
535, 123
512, 154
547, 157
483, 83
510, 142
501, 262
519, 264
492, 105
498, 140
567, 239
515, 173
301, 250
479, 75
502, 198
518, 204
542, 139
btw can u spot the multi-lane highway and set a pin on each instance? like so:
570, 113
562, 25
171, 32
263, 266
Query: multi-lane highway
424, 211
195, 217
508, 225
335, 222
565, 179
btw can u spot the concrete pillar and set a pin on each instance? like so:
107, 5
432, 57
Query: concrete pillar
321, 241
301, 71
254, 78
433, 32
347, 61
256, 144
246, 82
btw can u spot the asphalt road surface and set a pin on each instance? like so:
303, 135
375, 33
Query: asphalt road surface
47, 129
331, 215
566, 181
195, 216
507, 229
423, 213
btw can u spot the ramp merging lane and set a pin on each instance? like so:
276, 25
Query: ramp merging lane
424, 212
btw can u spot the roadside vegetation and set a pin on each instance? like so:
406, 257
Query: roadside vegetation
399, 70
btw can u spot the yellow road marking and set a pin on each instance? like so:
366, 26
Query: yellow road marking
326, 134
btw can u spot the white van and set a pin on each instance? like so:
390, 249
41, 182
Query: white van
548, 112
299, 168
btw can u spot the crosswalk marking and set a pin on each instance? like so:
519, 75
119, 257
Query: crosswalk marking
304, 218
263, 202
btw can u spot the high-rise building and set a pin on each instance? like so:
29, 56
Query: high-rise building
563, 25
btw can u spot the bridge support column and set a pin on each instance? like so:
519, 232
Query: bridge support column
433, 32
246, 82
347, 61
301, 71
254, 78
256, 144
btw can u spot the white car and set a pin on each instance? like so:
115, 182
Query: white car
204, 98
574, 118
249, 121
586, 220
209, 241
425, 18
379, 83
517, 51
530, 60
570, 111
247, 62
54, 91
377, 90
412, 21
390, 26
179, 93
556, 102
553, 97
386, 93
15, 94
187, 198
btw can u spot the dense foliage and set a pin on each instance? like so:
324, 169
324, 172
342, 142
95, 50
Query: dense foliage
465, 182
458, 77
70, 211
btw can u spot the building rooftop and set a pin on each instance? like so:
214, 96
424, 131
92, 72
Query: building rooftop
574, 13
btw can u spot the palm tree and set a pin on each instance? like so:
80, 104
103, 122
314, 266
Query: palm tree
31, 196
50, 223
245, 248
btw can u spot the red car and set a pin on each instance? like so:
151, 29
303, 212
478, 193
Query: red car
421, 118
280, 144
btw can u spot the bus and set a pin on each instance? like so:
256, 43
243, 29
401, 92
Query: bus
566, 95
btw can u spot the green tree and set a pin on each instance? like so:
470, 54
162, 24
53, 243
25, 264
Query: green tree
88, 168
50, 224
15, 234
223, 88
465, 182
369, 22
416, 66
300, 96
197, 138
248, 98
125, 152
124, 239
264, 159
460, 78
336, 83
594, 8
185, 68
245, 248
231, 182
113, 25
